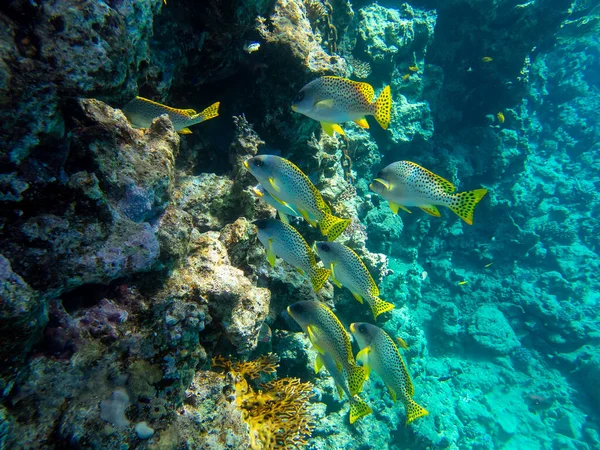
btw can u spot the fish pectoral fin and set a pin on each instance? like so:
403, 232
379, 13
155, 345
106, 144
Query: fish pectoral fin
331, 128
323, 104
185, 131
318, 363
333, 278
387, 185
271, 254
395, 207
274, 186
339, 366
313, 339
362, 123
340, 391
304, 214
358, 297
430, 209
392, 393
363, 357
283, 217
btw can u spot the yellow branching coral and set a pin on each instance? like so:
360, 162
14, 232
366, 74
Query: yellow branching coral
278, 413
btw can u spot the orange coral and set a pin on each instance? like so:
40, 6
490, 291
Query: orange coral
278, 414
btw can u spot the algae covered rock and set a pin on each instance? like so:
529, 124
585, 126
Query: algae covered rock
491, 331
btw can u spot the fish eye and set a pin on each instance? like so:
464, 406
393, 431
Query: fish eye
260, 224
379, 174
299, 97
324, 247
258, 162
297, 308
362, 329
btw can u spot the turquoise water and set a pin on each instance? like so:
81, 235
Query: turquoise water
129, 258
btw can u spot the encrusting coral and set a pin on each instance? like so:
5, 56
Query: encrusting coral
278, 413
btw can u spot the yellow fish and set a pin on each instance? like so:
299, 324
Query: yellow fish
283, 240
380, 354
405, 183
141, 112
413, 68
406, 77
461, 283
328, 336
288, 185
347, 269
487, 59
500, 117
335, 100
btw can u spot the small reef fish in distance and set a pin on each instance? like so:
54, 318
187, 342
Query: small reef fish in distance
348, 270
500, 117
328, 336
288, 185
488, 265
282, 210
335, 100
406, 77
141, 112
380, 354
358, 407
281, 239
405, 183
251, 47
462, 283
414, 68
487, 59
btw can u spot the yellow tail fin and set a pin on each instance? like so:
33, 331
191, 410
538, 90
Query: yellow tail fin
380, 306
463, 204
358, 408
319, 278
209, 113
383, 108
414, 411
332, 226
356, 377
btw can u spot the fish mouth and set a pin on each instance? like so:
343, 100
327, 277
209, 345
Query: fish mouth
384, 183
257, 192
246, 165
289, 310
352, 327
294, 107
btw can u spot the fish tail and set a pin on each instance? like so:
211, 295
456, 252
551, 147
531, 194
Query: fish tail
380, 306
358, 408
356, 376
414, 411
383, 108
209, 113
463, 204
319, 278
332, 226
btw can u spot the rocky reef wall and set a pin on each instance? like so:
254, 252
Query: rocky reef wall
128, 260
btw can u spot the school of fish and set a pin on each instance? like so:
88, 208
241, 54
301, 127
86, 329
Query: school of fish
332, 101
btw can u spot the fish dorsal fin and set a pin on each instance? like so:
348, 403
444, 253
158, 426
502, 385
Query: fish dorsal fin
185, 112
362, 123
333, 278
274, 186
366, 90
395, 207
313, 339
270, 253
430, 209
445, 184
318, 363
363, 357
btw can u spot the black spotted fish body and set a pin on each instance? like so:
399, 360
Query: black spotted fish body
334, 100
358, 407
349, 271
290, 186
328, 336
405, 184
380, 354
141, 112
281, 239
